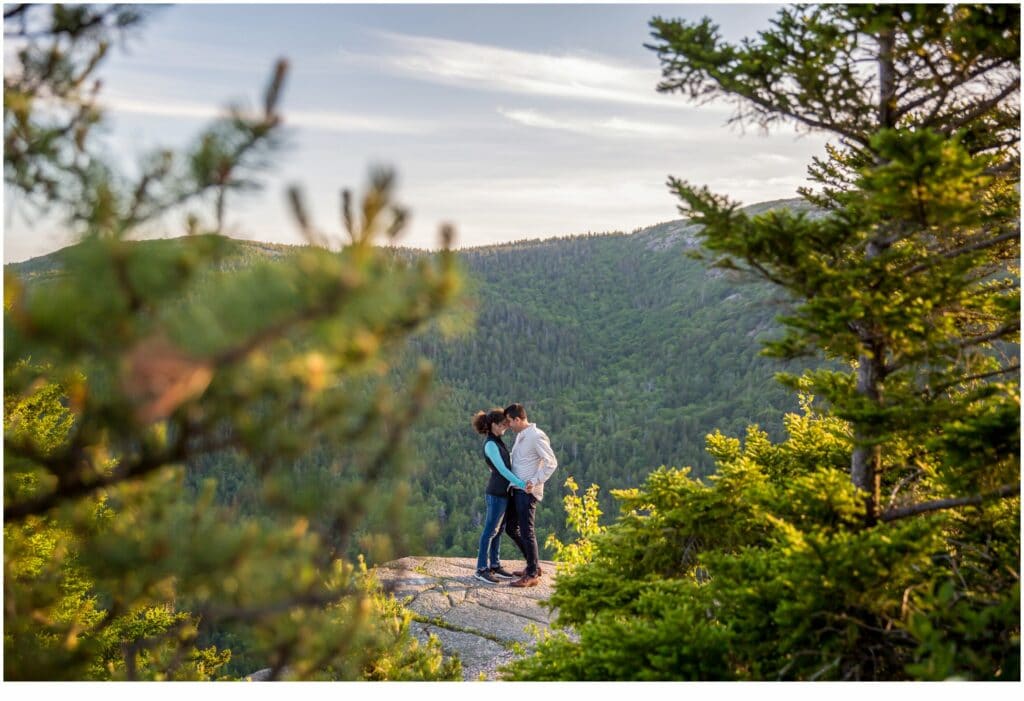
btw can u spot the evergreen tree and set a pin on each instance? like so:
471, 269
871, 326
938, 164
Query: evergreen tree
911, 278
881, 539
137, 359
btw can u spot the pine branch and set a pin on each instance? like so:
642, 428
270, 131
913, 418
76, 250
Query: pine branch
934, 392
71, 488
255, 136
771, 107
16, 10
909, 479
274, 332
997, 334
980, 108
946, 89
1007, 490
969, 248
775, 104
1008, 166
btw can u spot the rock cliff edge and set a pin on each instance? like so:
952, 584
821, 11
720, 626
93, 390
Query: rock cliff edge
477, 621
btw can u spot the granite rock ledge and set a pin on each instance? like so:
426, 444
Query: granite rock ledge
476, 621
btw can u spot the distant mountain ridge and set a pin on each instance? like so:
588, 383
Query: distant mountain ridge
663, 235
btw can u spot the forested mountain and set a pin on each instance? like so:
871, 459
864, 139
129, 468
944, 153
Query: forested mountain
622, 347
625, 349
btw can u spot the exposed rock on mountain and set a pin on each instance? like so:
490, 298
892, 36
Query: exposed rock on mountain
479, 622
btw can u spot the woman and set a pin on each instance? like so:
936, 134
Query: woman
492, 425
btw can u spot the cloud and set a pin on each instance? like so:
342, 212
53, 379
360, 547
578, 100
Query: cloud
549, 195
516, 207
775, 159
162, 109
613, 126
480, 66
338, 121
330, 121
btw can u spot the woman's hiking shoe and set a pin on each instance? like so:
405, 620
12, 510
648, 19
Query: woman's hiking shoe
486, 576
526, 581
522, 573
502, 573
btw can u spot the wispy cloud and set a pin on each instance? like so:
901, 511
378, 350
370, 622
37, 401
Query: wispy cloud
516, 207
495, 68
776, 159
544, 194
339, 121
162, 109
330, 121
612, 126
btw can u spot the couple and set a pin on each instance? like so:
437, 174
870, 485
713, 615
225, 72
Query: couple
516, 485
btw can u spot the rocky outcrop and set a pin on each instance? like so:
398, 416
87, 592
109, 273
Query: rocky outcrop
684, 235
479, 622
482, 624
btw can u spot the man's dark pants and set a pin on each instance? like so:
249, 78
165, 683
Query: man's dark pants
519, 517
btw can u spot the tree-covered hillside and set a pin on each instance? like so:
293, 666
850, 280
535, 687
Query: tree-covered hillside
625, 349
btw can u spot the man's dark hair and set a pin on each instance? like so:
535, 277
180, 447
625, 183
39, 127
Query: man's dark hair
515, 411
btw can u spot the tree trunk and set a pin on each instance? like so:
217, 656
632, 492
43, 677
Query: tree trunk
886, 79
866, 462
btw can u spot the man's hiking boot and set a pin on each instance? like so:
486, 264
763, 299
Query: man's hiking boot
522, 573
502, 573
486, 576
526, 581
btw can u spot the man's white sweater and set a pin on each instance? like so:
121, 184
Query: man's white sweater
532, 458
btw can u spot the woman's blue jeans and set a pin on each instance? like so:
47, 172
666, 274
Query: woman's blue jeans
490, 539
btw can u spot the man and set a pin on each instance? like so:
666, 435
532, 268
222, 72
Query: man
534, 462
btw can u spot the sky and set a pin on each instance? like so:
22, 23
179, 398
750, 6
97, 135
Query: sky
510, 122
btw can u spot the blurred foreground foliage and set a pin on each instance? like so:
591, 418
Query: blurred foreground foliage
138, 359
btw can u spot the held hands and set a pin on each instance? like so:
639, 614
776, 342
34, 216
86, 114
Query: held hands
529, 487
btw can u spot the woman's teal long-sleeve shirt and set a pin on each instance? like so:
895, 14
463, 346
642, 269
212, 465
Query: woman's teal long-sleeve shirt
494, 455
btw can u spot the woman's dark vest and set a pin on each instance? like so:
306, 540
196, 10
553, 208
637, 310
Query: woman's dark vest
498, 485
